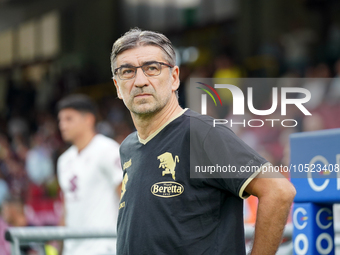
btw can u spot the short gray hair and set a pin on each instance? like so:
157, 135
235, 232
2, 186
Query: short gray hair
136, 37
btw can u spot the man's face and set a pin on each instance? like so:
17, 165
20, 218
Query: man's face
72, 123
143, 94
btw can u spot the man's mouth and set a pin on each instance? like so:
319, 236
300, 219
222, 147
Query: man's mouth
143, 95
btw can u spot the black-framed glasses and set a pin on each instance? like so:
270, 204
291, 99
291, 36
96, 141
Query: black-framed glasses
154, 68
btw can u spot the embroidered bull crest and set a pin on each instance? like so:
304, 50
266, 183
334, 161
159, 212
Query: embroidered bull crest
168, 163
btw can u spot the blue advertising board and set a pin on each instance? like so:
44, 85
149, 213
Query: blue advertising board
314, 166
313, 229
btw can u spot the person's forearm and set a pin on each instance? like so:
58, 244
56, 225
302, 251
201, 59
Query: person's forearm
271, 218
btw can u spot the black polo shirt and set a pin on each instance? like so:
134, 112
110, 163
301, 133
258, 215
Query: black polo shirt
162, 210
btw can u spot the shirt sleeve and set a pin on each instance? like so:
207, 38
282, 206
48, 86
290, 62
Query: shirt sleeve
224, 148
112, 166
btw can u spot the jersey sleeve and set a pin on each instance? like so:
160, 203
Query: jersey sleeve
224, 148
111, 165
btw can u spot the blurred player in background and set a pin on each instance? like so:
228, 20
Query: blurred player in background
162, 209
89, 175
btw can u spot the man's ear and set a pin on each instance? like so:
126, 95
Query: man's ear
117, 88
175, 78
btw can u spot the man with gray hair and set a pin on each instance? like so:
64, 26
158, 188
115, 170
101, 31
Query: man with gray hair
162, 210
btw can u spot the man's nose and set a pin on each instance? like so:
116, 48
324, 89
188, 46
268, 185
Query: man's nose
140, 80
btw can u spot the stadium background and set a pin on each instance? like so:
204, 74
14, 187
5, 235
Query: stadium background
49, 49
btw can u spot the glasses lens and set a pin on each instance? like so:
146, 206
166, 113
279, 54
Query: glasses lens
127, 72
152, 69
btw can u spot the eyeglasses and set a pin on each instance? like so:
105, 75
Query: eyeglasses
153, 68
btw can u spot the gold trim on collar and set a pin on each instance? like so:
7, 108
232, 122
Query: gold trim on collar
144, 141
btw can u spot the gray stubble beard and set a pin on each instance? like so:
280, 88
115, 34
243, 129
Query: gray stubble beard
149, 112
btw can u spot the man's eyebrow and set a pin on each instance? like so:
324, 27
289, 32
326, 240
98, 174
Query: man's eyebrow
126, 65
149, 62
143, 63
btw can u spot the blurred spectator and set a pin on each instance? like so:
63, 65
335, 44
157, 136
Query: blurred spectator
13, 215
312, 123
12, 168
4, 190
45, 92
296, 44
226, 70
334, 90
316, 83
5, 248
13, 212
272, 50
39, 164
17, 126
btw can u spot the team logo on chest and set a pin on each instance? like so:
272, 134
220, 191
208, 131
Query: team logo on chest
167, 188
168, 163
